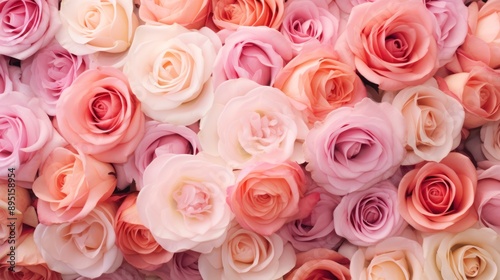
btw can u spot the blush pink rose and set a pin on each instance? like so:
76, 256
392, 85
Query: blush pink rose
85, 247
356, 147
438, 196
487, 201
490, 140
320, 263
369, 216
195, 188
393, 42
266, 196
51, 70
124, 272
230, 14
26, 26
317, 82
99, 115
255, 53
246, 255
193, 15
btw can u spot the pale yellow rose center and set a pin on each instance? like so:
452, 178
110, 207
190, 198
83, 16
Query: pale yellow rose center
471, 262
389, 266
193, 200
171, 71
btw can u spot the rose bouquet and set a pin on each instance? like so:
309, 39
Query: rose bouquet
271, 139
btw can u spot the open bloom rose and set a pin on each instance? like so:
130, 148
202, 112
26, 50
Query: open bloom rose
471, 254
487, 199
99, 115
248, 255
392, 258
393, 42
490, 140
439, 195
195, 188
318, 263
356, 147
318, 83
70, 185
51, 70
433, 120
255, 53
479, 93
26, 26
369, 216
19, 199
229, 14
250, 123
169, 68
96, 26
266, 196
85, 247
193, 15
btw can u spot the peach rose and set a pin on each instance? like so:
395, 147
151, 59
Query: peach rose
230, 14
318, 83
85, 247
134, 240
393, 42
320, 263
14, 203
99, 115
157, 12
490, 140
479, 93
439, 196
248, 255
90, 26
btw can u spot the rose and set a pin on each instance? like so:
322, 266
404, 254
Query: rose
159, 138
392, 43
255, 53
195, 188
309, 21
356, 147
433, 120
26, 134
184, 265
439, 195
19, 206
319, 83
50, 71
479, 92
249, 123
230, 14
488, 196
134, 240
369, 216
346, 6
170, 12
490, 140
99, 115
473, 253
169, 68
124, 272
320, 263
26, 26
96, 26
5, 79
248, 255
266, 196
85, 247
392, 258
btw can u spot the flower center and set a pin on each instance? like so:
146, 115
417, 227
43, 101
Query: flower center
193, 200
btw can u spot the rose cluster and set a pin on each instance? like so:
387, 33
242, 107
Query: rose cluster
271, 139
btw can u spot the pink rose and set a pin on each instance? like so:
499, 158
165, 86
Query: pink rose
229, 14
124, 272
85, 247
195, 186
266, 196
255, 53
159, 138
490, 140
248, 255
346, 6
26, 26
356, 147
26, 134
5, 79
51, 70
320, 263
99, 115
393, 42
487, 199
184, 265
318, 83
134, 240
193, 15
369, 216
439, 195
309, 21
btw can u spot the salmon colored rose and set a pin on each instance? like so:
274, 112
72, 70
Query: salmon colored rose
439, 196
16, 198
157, 12
230, 14
320, 263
